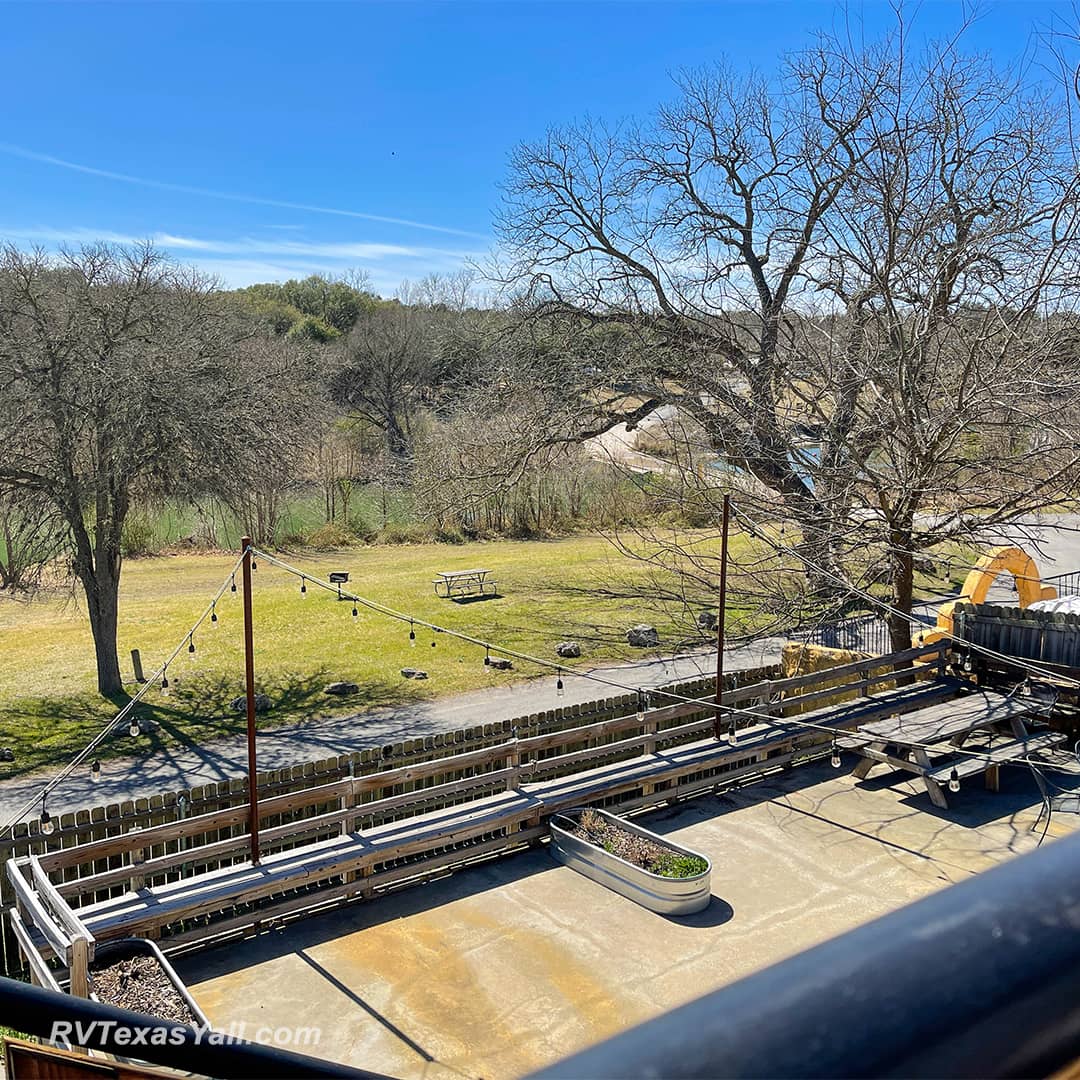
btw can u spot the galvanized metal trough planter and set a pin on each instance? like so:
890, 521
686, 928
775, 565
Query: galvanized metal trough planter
110, 952
664, 895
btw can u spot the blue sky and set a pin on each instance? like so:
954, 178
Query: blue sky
266, 141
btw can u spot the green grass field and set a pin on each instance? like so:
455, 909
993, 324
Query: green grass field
551, 590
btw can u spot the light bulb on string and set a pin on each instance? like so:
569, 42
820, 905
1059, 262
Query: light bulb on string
95, 770
559, 691
954, 781
303, 586
133, 728
355, 612
487, 656
165, 681
412, 635
48, 824
232, 587
254, 564
834, 761
213, 612
190, 643
641, 706
733, 732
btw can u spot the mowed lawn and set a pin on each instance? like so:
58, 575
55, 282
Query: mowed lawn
550, 591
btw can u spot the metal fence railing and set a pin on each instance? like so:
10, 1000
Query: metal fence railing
1066, 584
869, 633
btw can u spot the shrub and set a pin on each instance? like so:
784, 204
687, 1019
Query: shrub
330, 536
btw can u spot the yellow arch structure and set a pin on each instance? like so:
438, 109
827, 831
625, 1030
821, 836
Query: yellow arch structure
1002, 560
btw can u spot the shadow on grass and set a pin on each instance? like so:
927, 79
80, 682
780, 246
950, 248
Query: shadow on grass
49, 731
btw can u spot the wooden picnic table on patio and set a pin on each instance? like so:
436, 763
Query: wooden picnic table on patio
929, 742
451, 583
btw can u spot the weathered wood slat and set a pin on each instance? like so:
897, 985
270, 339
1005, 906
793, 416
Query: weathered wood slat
964, 714
68, 920
969, 765
279, 833
40, 917
30, 949
755, 691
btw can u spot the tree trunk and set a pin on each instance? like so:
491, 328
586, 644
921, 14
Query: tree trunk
903, 567
102, 590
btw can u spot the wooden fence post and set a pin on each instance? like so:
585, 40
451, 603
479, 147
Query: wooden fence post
79, 967
138, 857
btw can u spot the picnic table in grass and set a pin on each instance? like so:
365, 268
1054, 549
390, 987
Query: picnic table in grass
454, 583
954, 740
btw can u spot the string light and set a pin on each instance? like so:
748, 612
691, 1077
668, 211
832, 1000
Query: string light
487, 656
412, 635
48, 825
232, 587
165, 682
95, 770
355, 612
834, 761
190, 644
254, 564
954, 781
641, 706
732, 732
303, 586
213, 612
559, 691
133, 728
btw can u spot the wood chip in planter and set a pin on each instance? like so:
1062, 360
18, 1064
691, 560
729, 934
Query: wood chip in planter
140, 984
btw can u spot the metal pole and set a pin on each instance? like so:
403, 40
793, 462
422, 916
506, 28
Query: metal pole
249, 677
721, 612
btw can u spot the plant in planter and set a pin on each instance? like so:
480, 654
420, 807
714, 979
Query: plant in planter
632, 861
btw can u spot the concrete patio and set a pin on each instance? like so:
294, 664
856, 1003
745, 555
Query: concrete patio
518, 962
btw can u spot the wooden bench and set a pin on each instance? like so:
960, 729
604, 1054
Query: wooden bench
451, 583
987, 759
146, 911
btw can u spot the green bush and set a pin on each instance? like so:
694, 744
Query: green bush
679, 866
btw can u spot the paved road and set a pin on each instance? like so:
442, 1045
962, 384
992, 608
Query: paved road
174, 769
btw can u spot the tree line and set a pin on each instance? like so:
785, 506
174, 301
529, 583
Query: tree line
850, 290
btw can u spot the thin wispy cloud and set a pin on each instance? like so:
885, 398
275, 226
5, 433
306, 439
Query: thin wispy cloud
208, 193
249, 259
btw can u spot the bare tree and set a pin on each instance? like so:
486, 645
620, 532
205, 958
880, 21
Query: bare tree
395, 359
122, 376
858, 282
